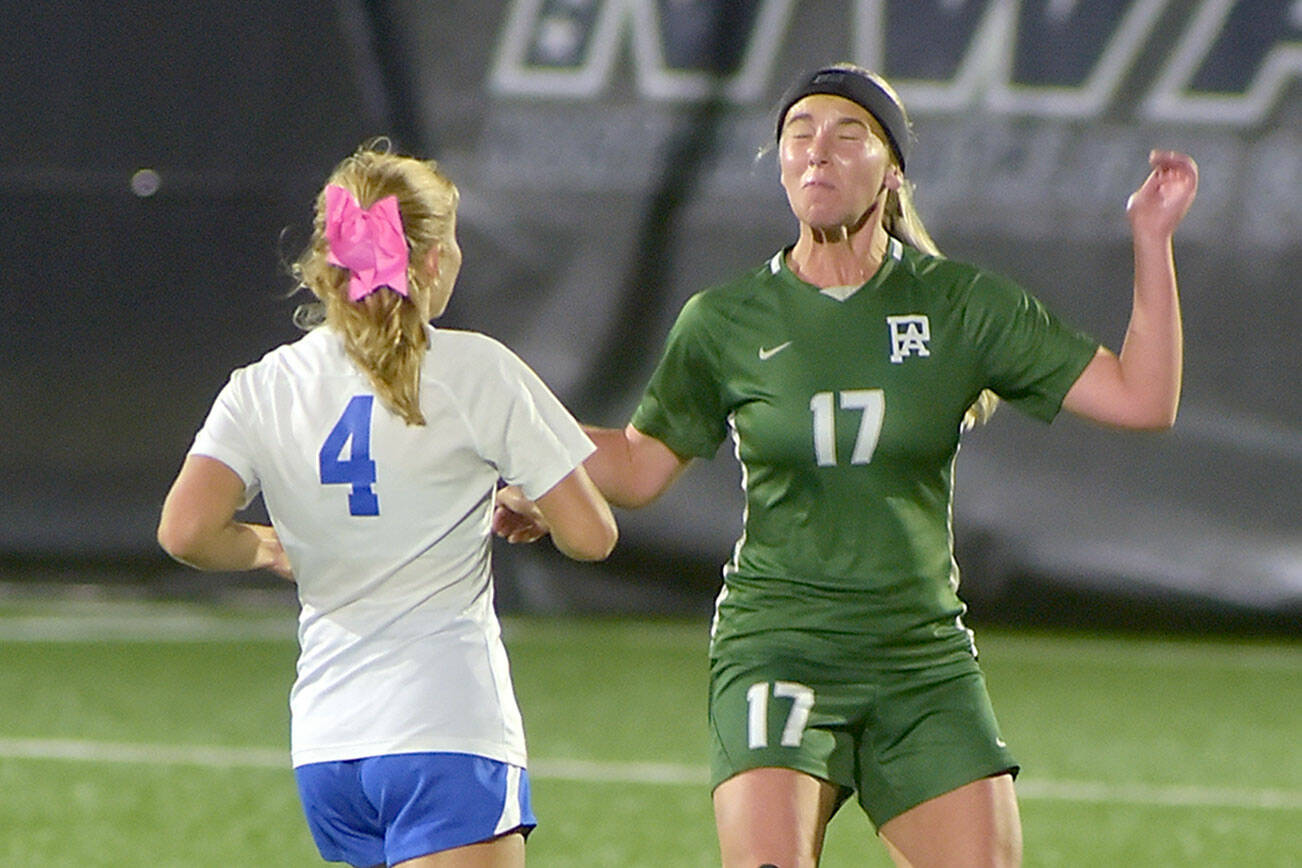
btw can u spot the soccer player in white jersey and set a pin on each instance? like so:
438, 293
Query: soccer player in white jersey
844, 369
378, 443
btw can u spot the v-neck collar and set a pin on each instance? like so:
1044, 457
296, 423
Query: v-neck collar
894, 251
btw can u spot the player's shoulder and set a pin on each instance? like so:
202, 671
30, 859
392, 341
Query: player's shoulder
450, 340
315, 353
464, 358
463, 348
955, 278
738, 290
935, 267
748, 282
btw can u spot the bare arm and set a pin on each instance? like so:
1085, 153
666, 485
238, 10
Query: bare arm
1140, 387
580, 520
631, 468
198, 526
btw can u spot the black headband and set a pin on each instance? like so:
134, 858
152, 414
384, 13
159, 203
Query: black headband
859, 89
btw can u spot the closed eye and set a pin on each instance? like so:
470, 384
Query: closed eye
852, 129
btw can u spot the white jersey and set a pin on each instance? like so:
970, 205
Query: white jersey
388, 529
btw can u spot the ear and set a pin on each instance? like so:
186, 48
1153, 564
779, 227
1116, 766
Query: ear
894, 178
440, 286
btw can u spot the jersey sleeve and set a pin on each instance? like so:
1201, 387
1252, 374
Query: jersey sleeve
225, 434
682, 406
1030, 357
535, 442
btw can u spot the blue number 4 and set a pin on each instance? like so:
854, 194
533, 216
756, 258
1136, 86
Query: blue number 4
358, 470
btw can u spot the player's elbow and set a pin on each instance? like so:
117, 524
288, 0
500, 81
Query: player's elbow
1160, 421
582, 525
1150, 416
594, 543
635, 496
191, 537
183, 540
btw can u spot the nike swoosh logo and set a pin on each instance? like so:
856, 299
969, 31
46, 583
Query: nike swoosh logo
766, 354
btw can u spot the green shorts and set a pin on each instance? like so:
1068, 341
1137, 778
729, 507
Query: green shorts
897, 738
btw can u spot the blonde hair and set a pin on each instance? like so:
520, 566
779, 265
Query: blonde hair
384, 333
900, 218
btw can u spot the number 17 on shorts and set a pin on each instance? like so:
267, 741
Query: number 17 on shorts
796, 698
767, 721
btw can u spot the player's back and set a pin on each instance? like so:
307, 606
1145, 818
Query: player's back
375, 512
387, 526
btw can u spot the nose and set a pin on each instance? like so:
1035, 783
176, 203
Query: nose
818, 149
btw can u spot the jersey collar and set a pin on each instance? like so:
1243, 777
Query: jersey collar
778, 265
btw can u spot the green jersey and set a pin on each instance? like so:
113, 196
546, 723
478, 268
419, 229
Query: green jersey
845, 408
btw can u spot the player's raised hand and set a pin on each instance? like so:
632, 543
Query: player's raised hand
516, 518
1161, 202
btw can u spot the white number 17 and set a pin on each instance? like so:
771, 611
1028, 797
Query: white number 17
873, 404
757, 701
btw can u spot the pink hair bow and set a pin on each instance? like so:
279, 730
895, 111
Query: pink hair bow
369, 242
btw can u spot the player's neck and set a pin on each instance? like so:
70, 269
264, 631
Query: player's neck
838, 256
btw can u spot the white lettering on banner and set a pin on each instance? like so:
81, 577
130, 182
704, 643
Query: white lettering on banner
1031, 58
1114, 50
1175, 99
584, 46
1039, 58
970, 33
909, 335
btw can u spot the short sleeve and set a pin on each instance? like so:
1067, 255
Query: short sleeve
536, 442
1029, 356
225, 434
682, 406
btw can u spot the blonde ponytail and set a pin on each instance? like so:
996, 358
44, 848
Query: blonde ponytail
384, 332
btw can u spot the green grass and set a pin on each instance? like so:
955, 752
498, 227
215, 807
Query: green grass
123, 742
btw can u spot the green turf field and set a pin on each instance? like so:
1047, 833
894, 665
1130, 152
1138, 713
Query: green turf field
155, 734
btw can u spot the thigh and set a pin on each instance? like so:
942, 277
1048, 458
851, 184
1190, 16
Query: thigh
929, 732
975, 824
773, 816
782, 760
506, 851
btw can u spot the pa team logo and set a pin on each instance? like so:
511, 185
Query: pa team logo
910, 334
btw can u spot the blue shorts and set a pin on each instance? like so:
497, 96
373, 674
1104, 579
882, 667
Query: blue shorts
388, 809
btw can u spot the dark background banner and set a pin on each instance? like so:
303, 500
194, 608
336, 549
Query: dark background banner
160, 161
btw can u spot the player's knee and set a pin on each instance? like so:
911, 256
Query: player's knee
771, 859
770, 862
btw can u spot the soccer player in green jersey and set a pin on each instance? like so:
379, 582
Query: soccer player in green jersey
844, 369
